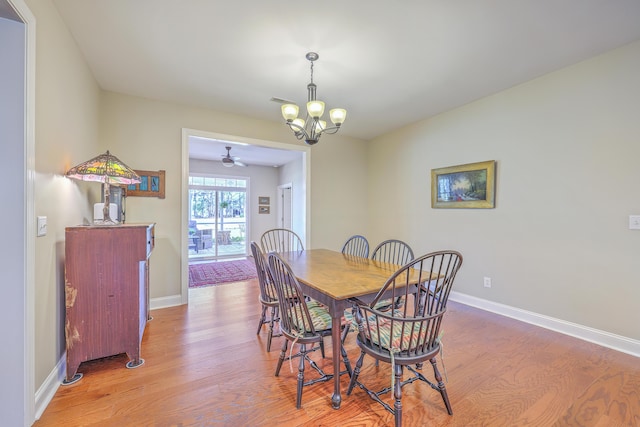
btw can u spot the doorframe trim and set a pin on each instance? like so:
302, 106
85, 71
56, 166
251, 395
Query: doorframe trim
29, 21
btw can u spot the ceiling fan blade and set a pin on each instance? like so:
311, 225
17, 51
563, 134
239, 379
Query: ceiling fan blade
239, 164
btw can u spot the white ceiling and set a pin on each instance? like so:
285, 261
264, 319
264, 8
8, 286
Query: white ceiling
250, 155
389, 63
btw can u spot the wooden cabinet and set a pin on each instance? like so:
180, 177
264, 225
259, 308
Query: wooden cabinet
106, 292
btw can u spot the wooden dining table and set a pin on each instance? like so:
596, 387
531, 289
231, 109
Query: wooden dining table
331, 278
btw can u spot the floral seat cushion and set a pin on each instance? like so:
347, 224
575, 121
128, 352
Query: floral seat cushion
320, 317
404, 334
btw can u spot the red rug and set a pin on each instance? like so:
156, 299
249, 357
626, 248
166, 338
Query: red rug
219, 272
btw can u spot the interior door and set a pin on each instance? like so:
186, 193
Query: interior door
285, 207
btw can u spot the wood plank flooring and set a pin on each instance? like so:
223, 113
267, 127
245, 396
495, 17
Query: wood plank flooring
205, 366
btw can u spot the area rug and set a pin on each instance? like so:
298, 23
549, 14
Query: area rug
219, 272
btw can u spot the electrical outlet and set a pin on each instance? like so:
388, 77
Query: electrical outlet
487, 282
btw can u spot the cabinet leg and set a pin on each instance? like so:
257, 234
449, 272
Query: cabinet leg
73, 380
132, 364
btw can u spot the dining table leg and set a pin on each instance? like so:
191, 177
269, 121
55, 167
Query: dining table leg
336, 342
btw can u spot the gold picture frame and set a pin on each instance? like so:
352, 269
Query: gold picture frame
263, 209
152, 184
464, 186
263, 200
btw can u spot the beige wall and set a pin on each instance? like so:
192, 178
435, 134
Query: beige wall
567, 147
67, 116
339, 174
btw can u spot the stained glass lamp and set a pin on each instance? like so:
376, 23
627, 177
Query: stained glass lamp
108, 169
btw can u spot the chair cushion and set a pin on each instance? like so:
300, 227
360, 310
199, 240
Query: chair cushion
384, 305
399, 338
319, 314
349, 319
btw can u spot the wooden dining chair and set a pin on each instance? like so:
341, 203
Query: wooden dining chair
392, 251
281, 240
302, 321
268, 296
356, 245
407, 335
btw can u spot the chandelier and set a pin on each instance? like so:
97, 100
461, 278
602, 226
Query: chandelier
313, 127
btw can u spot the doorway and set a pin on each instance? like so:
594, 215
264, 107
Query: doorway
299, 174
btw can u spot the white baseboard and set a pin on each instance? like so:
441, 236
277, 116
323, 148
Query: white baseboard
49, 387
605, 339
164, 302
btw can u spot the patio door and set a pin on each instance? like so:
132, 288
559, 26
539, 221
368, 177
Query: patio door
217, 221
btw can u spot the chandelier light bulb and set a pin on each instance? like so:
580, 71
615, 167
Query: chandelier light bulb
338, 115
290, 112
320, 126
299, 123
315, 108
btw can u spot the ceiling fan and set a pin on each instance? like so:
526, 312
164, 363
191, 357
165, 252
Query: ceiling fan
231, 161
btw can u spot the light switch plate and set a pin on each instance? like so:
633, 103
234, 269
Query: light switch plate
634, 222
42, 226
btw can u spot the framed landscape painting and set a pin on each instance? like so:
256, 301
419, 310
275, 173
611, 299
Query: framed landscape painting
464, 186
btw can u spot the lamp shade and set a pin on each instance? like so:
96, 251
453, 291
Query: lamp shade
108, 169
338, 115
105, 168
299, 123
315, 108
289, 112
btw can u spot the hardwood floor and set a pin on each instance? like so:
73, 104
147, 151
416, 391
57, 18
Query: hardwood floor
205, 365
